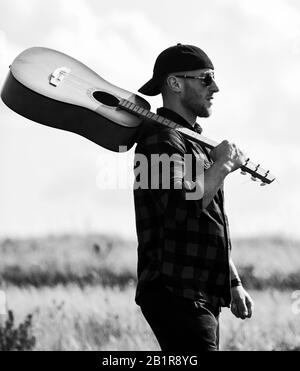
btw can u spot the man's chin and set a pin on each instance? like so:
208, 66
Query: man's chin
206, 112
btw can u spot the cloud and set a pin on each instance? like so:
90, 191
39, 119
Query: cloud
113, 44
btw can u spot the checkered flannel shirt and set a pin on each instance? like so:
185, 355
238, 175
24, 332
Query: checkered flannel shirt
179, 241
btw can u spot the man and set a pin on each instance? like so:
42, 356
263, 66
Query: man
185, 272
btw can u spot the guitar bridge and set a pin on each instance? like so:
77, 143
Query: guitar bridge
58, 75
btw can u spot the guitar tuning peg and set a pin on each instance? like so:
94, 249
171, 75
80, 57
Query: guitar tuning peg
243, 172
263, 184
253, 178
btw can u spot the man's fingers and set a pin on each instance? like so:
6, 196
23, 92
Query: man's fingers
234, 310
250, 306
242, 304
242, 309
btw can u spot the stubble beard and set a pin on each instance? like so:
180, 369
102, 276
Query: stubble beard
198, 108
201, 110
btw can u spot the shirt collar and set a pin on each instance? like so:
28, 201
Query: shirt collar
173, 116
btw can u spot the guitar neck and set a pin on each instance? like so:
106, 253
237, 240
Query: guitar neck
255, 170
141, 112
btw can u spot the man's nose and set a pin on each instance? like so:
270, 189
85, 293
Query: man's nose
214, 87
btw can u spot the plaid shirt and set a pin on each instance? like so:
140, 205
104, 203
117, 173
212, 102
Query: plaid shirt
179, 241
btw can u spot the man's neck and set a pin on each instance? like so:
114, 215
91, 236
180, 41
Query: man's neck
189, 117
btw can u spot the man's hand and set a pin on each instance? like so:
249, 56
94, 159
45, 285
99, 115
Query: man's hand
228, 154
227, 157
241, 304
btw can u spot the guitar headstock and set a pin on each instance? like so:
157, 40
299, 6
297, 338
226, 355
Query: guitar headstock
257, 172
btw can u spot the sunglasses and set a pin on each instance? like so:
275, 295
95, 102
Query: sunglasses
207, 78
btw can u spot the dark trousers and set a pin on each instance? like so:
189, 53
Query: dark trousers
180, 324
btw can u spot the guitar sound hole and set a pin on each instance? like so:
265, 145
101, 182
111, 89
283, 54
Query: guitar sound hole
106, 98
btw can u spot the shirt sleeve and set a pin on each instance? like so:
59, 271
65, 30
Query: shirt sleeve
175, 177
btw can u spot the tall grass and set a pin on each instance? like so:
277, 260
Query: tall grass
80, 292
89, 318
97, 318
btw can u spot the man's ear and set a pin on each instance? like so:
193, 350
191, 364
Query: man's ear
174, 84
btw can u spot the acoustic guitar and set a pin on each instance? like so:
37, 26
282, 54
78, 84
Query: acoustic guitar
54, 89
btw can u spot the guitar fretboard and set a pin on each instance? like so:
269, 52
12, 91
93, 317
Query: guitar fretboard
142, 112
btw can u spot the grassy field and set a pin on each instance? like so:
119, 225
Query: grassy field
80, 292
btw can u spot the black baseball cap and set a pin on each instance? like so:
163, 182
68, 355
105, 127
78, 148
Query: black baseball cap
175, 59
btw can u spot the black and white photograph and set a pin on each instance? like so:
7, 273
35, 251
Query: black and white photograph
149, 192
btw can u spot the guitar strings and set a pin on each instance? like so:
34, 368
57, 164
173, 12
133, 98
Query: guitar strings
86, 83
77, 81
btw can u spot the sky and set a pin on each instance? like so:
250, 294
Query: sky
53, 181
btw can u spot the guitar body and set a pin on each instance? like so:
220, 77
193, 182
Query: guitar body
56, 90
